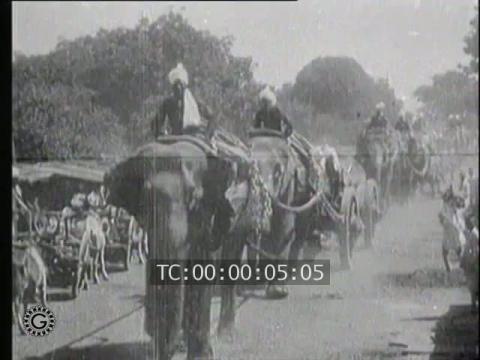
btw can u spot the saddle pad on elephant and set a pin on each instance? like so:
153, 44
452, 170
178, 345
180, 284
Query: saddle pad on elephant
231, 147
201, 143
265, 132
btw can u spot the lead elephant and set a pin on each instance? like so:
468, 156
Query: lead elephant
175, 191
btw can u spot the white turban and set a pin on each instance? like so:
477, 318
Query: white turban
93, 199
178, 74
380, 106
268, 95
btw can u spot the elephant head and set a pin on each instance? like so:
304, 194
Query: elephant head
173, 190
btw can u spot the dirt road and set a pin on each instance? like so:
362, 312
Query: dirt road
396, 301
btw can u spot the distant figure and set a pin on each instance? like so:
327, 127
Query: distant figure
378, 121
269, 115
402, 125
417, 125
181, 109
463, 189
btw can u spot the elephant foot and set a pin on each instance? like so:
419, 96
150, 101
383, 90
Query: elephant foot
276, 291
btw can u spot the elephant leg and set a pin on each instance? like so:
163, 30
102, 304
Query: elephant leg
198, 304
226, 322
281, 237
164, 311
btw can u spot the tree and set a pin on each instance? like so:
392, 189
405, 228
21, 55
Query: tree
471, 44
121, 76
330, 94
455, 91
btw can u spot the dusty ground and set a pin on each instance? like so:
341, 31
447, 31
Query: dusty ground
396, 302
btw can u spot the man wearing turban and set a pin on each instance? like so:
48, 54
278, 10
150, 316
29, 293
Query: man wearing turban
269, 116
181, 109
378, 120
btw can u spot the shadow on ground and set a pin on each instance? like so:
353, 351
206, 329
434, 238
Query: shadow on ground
124, 351
456, 334
424, 278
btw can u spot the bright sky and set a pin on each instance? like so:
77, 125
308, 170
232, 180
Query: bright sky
405, 40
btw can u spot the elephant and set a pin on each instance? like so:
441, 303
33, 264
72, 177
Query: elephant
266, 201
175, 190
401, 187
378, 153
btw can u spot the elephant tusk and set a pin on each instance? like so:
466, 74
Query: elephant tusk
298, 209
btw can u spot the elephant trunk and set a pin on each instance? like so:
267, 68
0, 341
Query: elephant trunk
164, 303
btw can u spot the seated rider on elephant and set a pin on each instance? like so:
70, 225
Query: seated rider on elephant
378, 121
184, 116
377, 124
180, 111
269, 116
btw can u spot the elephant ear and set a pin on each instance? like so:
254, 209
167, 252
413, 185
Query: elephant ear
193, 191
126, 184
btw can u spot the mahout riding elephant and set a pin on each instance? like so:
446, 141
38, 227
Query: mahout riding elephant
275, 200
295, 199
173, 189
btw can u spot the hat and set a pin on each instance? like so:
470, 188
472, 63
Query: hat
178, 74
269, 95
380, 106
